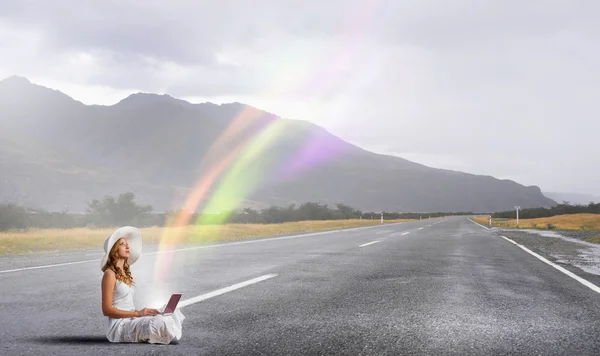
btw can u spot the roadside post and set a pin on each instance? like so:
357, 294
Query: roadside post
517, 209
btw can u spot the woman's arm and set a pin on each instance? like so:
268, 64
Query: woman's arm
108, 285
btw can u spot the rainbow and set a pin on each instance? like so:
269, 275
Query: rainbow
229, 176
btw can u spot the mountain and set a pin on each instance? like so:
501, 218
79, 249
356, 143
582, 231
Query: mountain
57, 153
573, 198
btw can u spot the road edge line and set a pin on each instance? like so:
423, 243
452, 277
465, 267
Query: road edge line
266, 239
212, 246
487, 228
583, 281
48, 266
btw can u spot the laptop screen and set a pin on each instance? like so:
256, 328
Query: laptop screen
172, 303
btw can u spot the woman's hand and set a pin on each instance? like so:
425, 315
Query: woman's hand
147, 312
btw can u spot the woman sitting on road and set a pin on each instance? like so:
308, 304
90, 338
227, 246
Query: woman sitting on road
125, 323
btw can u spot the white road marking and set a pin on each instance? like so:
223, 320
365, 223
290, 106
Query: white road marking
48, 266
368, 243
205, 246
478, 224
509, 240
218, 292
405, 233
265, 240
585, 282
420, 228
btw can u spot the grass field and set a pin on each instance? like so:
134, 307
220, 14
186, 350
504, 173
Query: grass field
559, 222
595, 239
41, 240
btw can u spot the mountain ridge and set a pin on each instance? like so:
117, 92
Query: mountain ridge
156, 145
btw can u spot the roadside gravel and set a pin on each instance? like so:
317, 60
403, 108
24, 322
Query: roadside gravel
564, 248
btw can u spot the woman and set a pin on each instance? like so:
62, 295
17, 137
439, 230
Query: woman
125, 323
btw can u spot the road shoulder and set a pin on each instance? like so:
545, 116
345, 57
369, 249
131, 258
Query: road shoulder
579, 257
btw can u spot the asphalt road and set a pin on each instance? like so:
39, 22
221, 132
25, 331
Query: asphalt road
447, 288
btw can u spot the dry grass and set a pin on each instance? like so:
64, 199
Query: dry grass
595, 239
40, 240
483, 220
559, 222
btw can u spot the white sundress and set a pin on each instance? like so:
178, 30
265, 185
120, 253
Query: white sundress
157, 329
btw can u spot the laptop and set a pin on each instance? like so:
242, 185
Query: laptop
171, 305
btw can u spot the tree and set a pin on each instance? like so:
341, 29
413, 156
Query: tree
118, 211
314, 211
13, 217
347, 212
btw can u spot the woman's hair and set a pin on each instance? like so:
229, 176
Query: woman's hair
122, 275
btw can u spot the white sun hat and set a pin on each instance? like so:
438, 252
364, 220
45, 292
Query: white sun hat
134, 239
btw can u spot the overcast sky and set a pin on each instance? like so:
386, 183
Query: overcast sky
498, 87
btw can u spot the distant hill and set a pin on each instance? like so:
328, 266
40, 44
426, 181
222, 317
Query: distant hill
573, 198
57, 153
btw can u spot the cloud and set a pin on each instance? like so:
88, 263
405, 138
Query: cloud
493, 87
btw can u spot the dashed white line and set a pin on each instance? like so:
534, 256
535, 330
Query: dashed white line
218, 292
205, 246
405, 233
420, 228
267, 239
585, 282
368, 243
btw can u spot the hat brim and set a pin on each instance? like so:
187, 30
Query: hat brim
134, 240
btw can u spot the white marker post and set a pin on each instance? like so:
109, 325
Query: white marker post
490, 221
517, 209
382, 217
